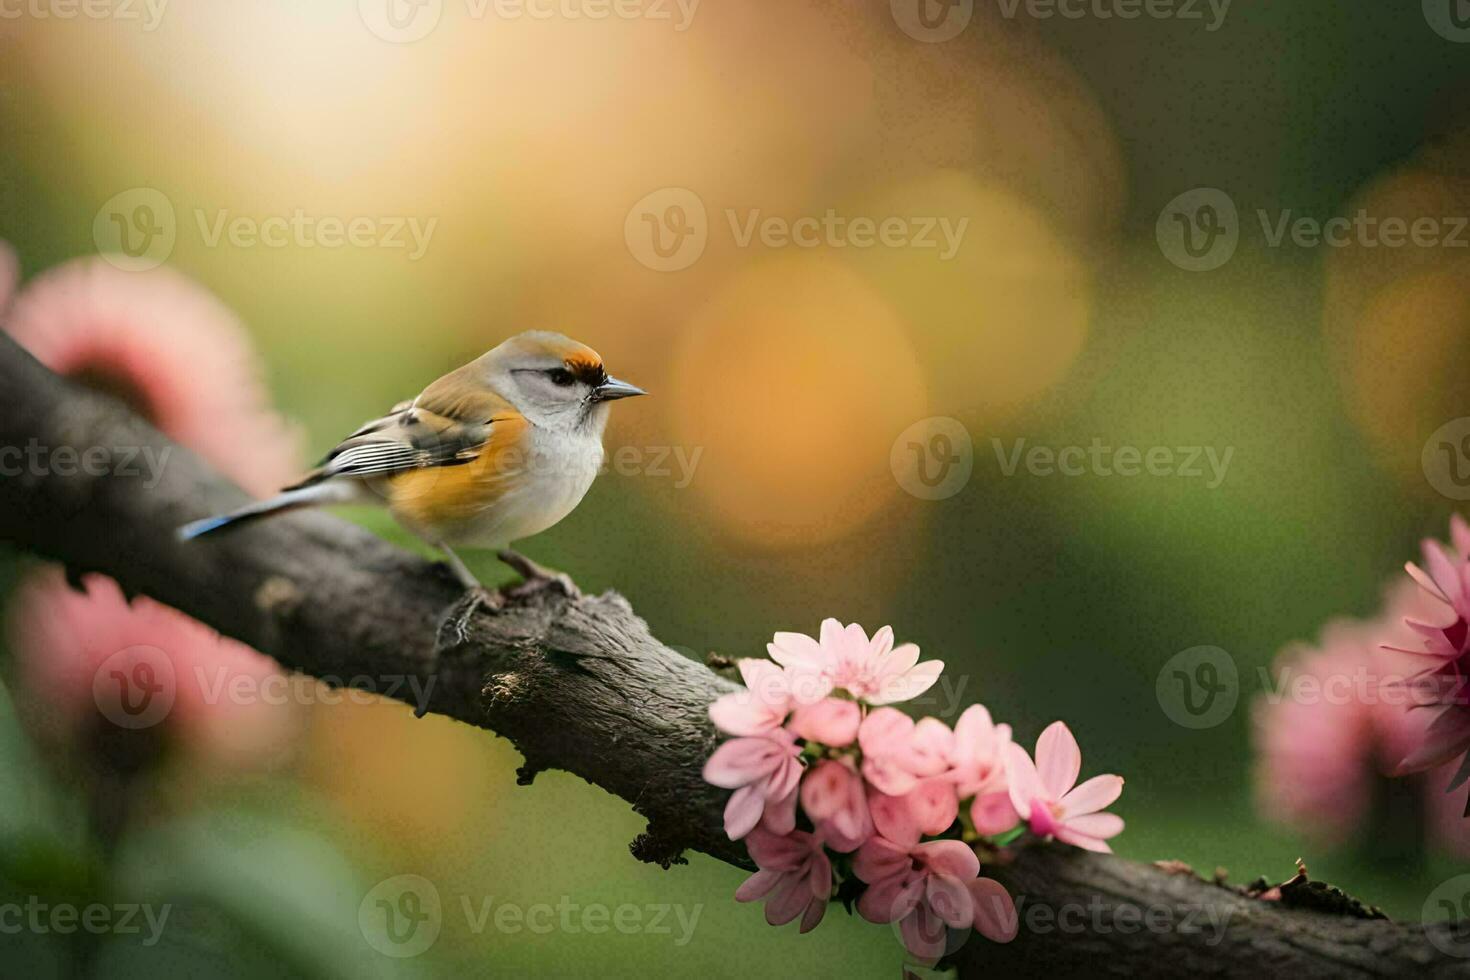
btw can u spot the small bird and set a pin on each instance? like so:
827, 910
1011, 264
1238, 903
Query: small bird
493, 452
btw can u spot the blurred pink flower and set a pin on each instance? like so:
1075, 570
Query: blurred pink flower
1046, 793
1344, 715
977, 759
764, 771
832, 795
795, 877
1445, 646
929, 889
873, 670
83, 657
170, 348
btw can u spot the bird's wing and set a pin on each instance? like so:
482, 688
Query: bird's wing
447, 425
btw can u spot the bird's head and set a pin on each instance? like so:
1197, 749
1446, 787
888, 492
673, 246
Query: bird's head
553, 380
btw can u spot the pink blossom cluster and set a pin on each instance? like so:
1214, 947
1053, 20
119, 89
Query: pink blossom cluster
833, 786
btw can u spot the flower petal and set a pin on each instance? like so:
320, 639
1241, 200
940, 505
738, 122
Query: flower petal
1058, 759
796, 650
993, 813
908, 685
923, 934
1022, 780
743, 811
1099, 825
741, 761
894, 818
779, 852
831, 721
757, 885
741, 713
1091, 796
878, 859
789, 900
995, 911
890, 899
949, 899
1067, 836
949, 857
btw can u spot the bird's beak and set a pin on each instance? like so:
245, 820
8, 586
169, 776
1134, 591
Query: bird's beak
612, 389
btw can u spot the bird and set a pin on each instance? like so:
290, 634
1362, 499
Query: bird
493, 452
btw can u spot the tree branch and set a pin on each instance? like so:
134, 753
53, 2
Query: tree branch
580, 684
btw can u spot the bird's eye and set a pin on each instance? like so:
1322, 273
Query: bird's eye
560, 377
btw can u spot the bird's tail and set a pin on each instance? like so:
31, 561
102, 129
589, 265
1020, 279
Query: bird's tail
291, 499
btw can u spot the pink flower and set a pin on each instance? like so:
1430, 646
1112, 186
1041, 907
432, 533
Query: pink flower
832, 796
831, 721
871, 670
929, 889
929, 808
96, 658
795, 877
759, 709
764, 771
897, 752
1043, 792
977, 759
172, 350
1445, 648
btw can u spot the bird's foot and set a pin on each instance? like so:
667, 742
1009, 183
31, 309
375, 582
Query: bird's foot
537, 577
454, 628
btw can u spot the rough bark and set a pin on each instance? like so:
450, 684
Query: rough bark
580, 684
